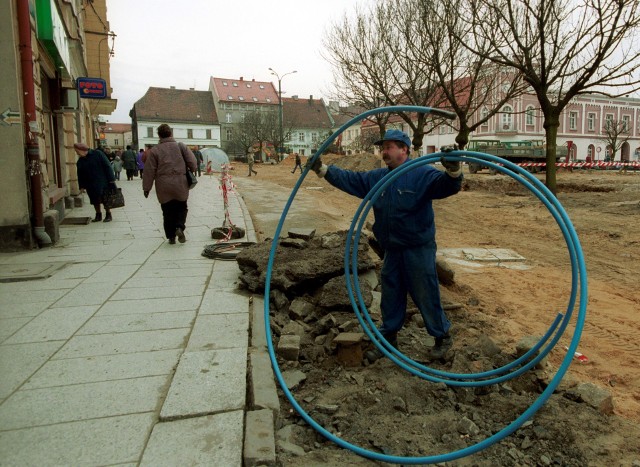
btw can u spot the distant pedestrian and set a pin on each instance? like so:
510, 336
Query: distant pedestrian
166, 165
140, 161
298, 164
251, 161
199, 159
129, 162
95, 175
117, 166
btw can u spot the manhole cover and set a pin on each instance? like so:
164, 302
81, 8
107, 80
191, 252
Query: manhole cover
28, 272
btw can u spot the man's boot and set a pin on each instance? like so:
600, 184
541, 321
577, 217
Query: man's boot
98, 217
107, 217
441, 347
376, 354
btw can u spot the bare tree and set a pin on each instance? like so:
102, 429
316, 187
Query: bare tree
467, 83
562, 48
256, 128
614, 134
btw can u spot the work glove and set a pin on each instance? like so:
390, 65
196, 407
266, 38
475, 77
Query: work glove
453, 168
318, 167
146, 194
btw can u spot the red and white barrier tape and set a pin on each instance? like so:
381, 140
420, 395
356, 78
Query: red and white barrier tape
226, 186
580, 164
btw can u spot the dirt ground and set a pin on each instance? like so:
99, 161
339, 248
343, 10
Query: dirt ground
501, 301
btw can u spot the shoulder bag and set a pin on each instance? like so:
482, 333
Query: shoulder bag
192, 180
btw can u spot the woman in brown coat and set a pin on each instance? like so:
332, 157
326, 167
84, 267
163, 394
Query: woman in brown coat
166, 164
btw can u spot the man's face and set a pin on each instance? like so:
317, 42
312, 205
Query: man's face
394, 153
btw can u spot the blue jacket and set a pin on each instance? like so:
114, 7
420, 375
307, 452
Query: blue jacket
403, 212
95, 173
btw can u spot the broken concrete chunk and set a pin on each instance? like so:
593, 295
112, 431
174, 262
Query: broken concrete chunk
303, 234
594, 396
300, 309
293, 378
289, 347
346, 339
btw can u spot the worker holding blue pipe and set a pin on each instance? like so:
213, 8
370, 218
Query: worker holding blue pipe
405, 229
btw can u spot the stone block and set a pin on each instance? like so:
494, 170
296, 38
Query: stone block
263, 386
289, 347
349, 348
259, 439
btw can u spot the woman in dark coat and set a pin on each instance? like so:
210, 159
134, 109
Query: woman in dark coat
166, 164
95, 174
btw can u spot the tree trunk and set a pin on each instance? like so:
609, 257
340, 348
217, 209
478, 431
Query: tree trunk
462, 138
551, 125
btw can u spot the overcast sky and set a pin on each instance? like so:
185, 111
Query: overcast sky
182, 43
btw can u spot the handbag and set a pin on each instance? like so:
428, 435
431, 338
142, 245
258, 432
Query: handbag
192, 180
113, 198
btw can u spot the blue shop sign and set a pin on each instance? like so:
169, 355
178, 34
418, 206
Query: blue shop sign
92, 88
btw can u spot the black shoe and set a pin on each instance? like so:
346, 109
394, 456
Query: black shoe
172, 241
376, 354
441, 347
98, 217
107, 218
180, 235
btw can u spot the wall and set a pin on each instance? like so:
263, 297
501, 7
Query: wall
180, 134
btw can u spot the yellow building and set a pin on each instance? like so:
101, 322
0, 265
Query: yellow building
46, 47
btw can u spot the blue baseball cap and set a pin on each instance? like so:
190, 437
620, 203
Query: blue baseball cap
395, 135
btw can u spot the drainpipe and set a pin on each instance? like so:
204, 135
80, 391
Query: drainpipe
30, 123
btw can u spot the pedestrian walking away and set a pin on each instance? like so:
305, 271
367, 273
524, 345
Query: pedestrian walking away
129, 162
95, 176
405, 229
298, 164
251, 161
117, 166
140, 161
166, 165
199, 159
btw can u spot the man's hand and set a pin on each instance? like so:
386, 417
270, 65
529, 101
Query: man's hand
453, 168
146, 194
318, 167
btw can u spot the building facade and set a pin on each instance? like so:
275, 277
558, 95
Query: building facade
45, 47
308, 124
190, 113
117, 136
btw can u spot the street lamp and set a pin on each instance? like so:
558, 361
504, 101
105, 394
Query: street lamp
273, 72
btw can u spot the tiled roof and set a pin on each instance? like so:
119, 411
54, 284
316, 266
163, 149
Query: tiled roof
344, 114
176, 105
117, 127
305, 113
244, 91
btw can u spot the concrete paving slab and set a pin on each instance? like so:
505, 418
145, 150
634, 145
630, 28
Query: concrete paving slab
225, 275
38, 407
52, 283
150, 305
218, 301
219, 332
30, 296
138, 322
88, 294
158, 270
104, 368
214, 440
112, 274
53, 324
23, 310
10, 325
79, 270
104, 441
126, 342
158, 292
205, 383
18, 362
148, 282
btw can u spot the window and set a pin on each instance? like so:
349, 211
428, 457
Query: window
626, 124
229, 134
230, 97
255, 99
149, 132
314, 137
590, 153
241, 98
242, 117
484, 113
262, 86
189, 133
591, 121
116, 142
224, 83
248, 85
268, 99
208, 134
301, 137
228, 118
235, 85
573, 119
506, 117
608, 121
530, 115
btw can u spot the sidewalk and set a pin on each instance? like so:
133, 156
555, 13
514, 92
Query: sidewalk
133, 351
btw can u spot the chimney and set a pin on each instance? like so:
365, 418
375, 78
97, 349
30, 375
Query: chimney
192, 89
172, 87
241, 78
310, 99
